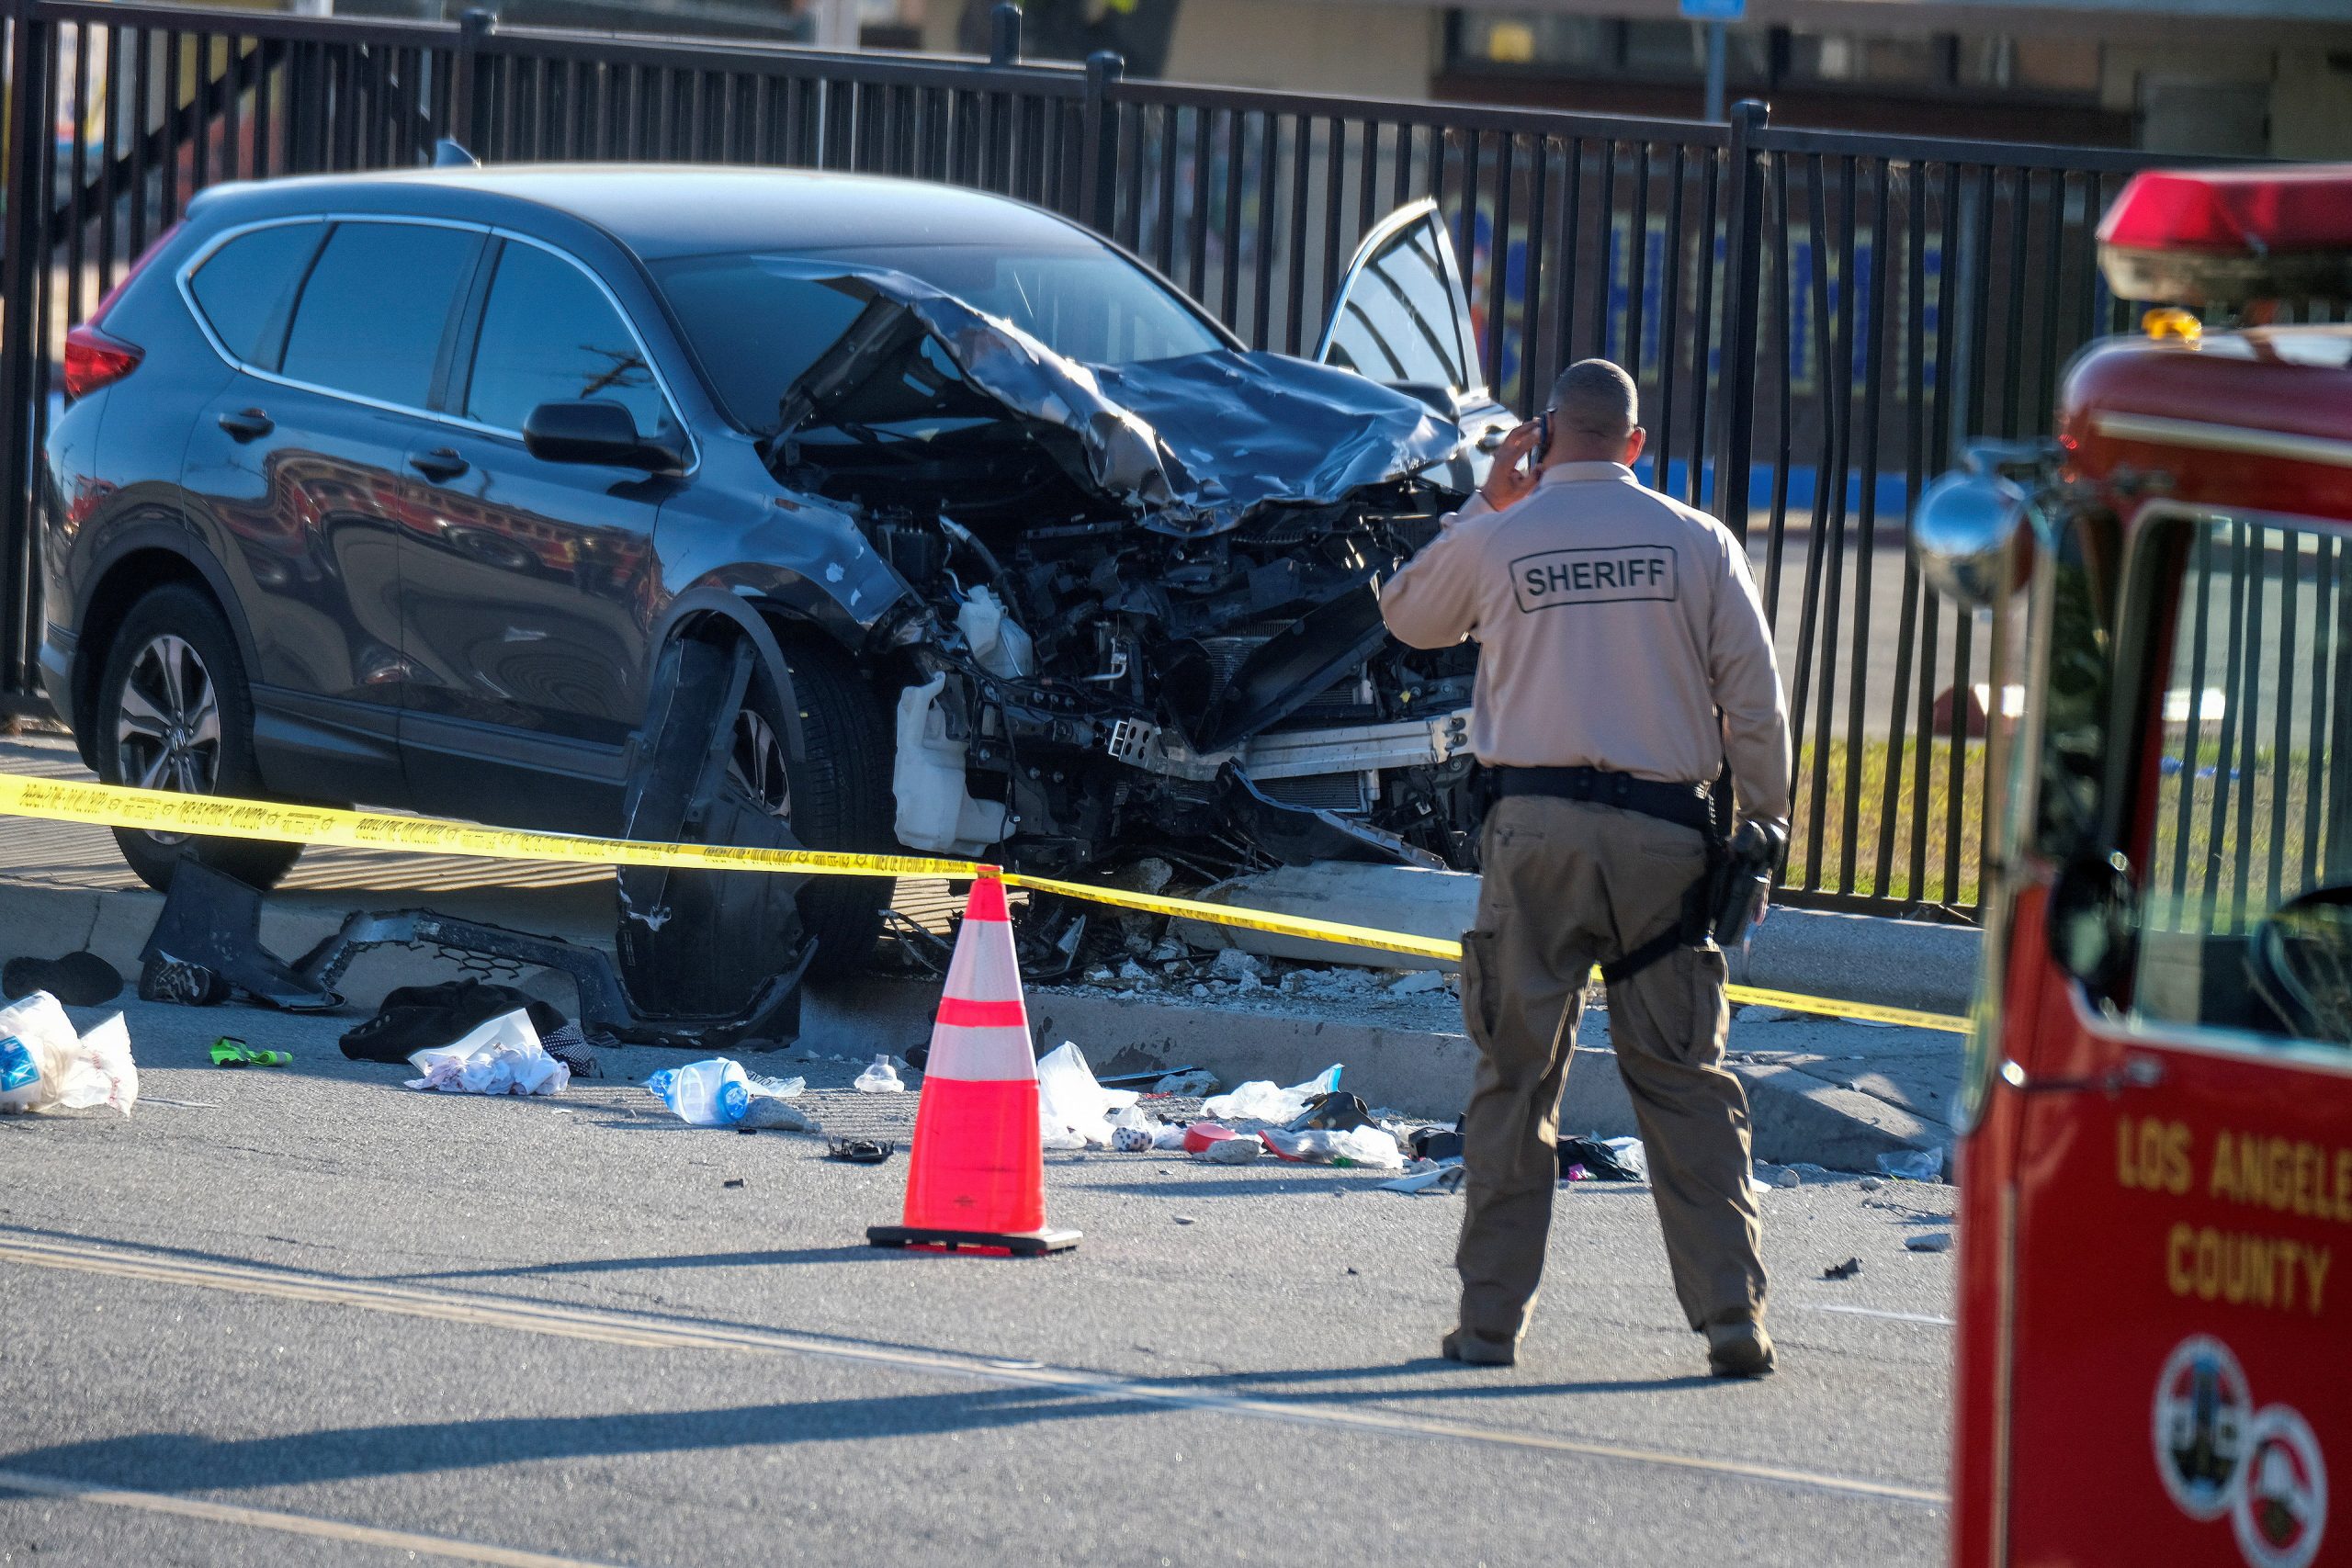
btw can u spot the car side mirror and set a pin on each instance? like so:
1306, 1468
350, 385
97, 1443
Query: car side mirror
2091, 929
1965, 523
596, 431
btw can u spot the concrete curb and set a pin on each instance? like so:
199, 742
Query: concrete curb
1796, 1117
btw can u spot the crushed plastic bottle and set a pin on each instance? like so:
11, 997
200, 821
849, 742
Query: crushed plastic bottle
713, 1093
881, 1076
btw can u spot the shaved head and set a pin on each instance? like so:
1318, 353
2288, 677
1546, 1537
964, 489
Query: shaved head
1595, 403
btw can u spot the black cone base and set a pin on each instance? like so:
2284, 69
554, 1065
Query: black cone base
1022, 1244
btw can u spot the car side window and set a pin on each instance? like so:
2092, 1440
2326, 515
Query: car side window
245, 289
372, 315
549, 335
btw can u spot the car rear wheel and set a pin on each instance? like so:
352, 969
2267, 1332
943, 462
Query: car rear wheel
836, 797
172, 712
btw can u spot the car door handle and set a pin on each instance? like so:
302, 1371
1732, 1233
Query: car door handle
440, 463
248, 424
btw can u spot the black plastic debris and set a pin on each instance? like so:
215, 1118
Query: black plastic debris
1339, 1112
1846, 1270
1434, 1142
732, 1182
77, 979
861, 1151
418, 1018
1600, 1161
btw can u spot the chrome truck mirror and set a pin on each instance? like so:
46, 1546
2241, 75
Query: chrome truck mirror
1965, 523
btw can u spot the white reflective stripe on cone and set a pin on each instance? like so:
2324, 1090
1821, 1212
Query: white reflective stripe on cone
984, 968
985, 1053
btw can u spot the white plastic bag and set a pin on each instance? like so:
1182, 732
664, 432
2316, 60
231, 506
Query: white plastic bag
499, 1055
1261, 1101
44, 1066
1069, 1101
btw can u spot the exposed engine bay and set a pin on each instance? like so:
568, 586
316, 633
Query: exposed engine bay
1140, 607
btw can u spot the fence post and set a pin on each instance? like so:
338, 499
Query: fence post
473, 26
21, 349
1004, 34
1098, 189
1743, 306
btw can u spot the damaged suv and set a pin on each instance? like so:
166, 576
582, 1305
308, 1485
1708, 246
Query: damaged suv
399, 488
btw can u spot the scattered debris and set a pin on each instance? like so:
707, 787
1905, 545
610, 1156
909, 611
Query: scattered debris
1184, 1219
1785, 1177
1336, 1112
1846, 1270
1071, 1105
1193, 1081
1234, 965
1929, 1241
420, 1018
1233, 1151
732, 1182
1132, 1140
46, 1066
1914, 1165
230, 1052
1599, 1159
717, 1092
1445, 1178
1417, 982
570, 1046
1873, 1183
881, 1077
77, 979
501, 1055
1261, 1101
1435, 1143
1367, 1146
861, 1151
1200, 1135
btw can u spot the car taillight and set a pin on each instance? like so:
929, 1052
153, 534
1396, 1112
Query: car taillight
92, 357
95, 360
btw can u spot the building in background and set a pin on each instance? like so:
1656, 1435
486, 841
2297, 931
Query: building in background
2247, 78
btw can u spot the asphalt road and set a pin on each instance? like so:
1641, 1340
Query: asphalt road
309, 1316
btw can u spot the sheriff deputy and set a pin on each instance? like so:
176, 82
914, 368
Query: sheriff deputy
1624, 660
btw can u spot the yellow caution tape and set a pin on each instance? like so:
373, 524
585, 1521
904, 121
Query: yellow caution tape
118, 805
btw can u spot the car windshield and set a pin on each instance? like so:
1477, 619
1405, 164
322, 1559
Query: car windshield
759, 321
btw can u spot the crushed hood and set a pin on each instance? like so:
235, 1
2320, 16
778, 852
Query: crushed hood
1194, 444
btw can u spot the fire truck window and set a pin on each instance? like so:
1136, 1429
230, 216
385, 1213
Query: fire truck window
2252, 800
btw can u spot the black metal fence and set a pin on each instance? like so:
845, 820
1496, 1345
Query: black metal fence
1815, 318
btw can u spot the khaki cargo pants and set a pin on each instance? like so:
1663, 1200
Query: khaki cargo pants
1569, 885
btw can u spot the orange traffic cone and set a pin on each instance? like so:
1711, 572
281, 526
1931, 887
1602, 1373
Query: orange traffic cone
976, 1176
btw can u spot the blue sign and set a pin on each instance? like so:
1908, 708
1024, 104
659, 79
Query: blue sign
1714, 11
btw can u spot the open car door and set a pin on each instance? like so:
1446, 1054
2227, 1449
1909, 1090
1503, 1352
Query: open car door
1401, 316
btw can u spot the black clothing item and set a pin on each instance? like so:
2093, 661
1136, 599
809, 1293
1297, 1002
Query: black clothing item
416, 1018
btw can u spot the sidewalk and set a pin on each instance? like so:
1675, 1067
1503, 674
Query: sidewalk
1829, 1093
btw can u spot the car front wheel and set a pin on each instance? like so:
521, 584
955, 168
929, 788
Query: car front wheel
172, 712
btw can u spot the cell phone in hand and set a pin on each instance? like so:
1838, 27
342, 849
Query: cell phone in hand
1543, 437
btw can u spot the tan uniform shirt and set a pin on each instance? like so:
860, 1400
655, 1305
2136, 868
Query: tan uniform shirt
1613, 624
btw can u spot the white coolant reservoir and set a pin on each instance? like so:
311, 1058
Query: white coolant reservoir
935, 812
998, 645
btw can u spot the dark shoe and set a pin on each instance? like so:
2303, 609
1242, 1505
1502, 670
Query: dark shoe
1739, 1349
1474, 1350
78, 979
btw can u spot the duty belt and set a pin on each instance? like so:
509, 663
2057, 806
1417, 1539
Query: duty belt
1684, 805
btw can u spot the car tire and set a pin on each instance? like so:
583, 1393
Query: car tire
837, 797
172, 711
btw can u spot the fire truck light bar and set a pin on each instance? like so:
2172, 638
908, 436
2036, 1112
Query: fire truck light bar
2228, 236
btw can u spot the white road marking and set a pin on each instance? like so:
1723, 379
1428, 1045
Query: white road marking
1877, 1312
291, 1524
652, 1333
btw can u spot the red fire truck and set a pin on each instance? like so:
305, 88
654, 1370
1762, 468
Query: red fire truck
2155, 1346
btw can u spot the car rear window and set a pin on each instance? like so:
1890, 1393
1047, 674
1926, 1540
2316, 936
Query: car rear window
372, 314
245, 288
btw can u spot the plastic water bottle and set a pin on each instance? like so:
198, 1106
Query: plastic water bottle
707, 1094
